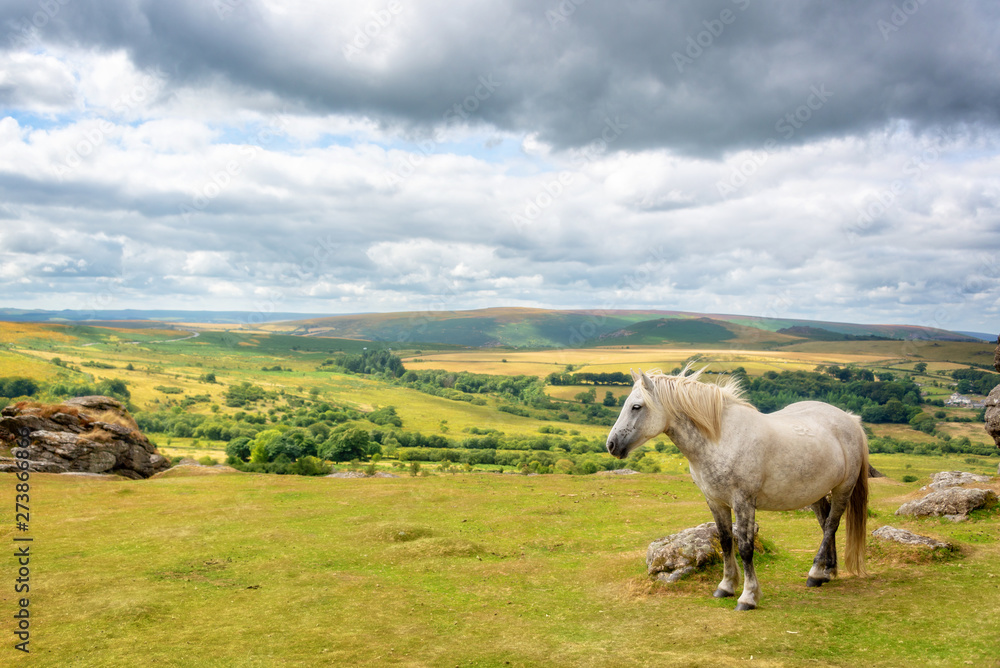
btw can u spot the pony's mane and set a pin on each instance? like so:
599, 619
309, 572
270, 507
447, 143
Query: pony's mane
702, 403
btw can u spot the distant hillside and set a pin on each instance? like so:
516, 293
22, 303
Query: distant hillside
514, 327
207, 317
536, 328
819, 334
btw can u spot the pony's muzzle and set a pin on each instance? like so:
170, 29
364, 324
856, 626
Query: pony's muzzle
615, 448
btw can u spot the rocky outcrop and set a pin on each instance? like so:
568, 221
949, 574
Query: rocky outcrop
996, 356
954, 503
92, 434
905, 537
993, 404
680, 554
993, 415
946, 479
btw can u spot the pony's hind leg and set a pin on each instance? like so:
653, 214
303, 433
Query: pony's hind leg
828, 513
724, 523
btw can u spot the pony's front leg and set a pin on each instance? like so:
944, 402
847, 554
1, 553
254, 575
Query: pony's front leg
724, 523
745, 523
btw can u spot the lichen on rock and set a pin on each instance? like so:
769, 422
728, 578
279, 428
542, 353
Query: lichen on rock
93, 434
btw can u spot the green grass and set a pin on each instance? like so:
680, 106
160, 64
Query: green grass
484, 569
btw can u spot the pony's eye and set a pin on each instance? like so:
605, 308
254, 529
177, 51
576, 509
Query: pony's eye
636, 407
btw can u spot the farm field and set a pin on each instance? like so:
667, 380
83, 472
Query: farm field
481, 569
603, 360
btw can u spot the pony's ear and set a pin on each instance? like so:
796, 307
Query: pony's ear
646, 381
635, 376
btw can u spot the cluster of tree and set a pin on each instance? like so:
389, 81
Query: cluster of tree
612, 378
521, 389
319, 418
109, 387
16, 388
370, 362
847, 374
975, 381
288, 445
532, 461
385, 416
11, 388
942, 446
874, 400
244, 393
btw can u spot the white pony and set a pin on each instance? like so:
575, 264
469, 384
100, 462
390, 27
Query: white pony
807, 454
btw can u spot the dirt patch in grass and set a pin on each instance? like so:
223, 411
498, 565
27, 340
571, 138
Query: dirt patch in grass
192, 470
434, 548
399, 533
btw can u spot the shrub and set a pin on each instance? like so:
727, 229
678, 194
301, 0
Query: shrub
310, 465
909, 478
242, 394
239, 448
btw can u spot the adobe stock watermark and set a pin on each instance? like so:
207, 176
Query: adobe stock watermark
554, 188
704, 40
25, 32
323, 254
419, 321
224, 8
364, 34
562, 12
631, 284
899, 17
92, 138
459, 112
786, 126
876, 206
986, 276
221, 179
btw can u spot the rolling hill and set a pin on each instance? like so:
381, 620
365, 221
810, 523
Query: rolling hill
539, 328
511, 327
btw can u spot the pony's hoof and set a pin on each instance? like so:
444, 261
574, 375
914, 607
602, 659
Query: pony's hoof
745, 606
816, 582
722, 593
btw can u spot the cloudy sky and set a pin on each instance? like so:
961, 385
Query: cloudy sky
825, 160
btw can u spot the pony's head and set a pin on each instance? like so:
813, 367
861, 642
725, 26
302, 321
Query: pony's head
657, 401
642, 418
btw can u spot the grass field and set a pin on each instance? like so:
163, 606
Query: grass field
470, 570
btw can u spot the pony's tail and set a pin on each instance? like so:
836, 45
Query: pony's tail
857, 517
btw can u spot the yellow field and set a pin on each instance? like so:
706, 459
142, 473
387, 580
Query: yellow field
605, 360
974, 431
14, 332
184, 447
904, 351
27, 366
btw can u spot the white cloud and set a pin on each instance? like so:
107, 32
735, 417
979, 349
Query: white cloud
252, 161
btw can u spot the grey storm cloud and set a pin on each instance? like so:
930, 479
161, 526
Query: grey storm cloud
701, 78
